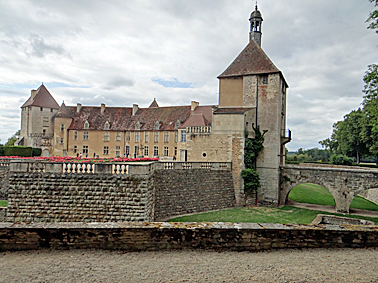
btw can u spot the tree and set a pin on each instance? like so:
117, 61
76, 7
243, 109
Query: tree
13, 139
329, 144
373, 17
370, 103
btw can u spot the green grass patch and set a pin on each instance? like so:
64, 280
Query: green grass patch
315, 194
311, 193
3, 203
284, 215
362, 203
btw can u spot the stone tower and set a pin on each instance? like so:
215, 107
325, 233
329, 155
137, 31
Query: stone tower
256, 26
252, 81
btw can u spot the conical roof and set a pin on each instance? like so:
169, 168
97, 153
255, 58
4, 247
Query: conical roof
251, 61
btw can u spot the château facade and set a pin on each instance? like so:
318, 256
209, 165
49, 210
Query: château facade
252, 91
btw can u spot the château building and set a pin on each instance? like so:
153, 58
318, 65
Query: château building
252, 91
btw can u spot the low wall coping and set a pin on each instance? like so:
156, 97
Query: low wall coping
188, 226
337, 169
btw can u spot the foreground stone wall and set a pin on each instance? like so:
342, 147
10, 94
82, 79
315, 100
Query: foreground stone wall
191, 191
168, 236
43, 197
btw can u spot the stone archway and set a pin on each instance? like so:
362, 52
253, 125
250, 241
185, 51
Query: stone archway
303, 193
344, 183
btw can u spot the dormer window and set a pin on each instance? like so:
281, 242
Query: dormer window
157, 125
107, 125
178, 124
86, 125
137, 126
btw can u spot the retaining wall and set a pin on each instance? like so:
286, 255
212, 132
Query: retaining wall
44, 197
4, 182
181, 192
168, 236
56, 192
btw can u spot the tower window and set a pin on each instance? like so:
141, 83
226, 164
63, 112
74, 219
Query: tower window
265, 79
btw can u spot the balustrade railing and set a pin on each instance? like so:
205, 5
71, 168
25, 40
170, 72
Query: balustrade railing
198, 130
110, 168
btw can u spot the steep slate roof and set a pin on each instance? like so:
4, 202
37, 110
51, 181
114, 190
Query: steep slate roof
42, 98
252, 60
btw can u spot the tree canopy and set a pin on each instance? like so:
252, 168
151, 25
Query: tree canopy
373, 17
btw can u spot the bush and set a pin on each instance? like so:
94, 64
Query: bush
21, 151
251, 180
37, 152
341, 160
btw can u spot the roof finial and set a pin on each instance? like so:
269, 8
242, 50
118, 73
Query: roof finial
42, 83
256, 5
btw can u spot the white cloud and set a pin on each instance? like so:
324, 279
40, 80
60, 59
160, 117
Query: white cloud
110, 52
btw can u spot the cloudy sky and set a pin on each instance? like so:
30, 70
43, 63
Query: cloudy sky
130, 51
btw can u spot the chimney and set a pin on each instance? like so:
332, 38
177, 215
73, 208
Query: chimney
194, 105
102, 108
135, 108
33, 93
78, 107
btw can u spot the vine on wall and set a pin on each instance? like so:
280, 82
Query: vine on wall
251, 150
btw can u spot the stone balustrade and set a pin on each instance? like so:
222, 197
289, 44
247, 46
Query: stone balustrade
133, 168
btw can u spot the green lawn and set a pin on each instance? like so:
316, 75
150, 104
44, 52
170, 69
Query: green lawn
315, 194
285, 215
3, 203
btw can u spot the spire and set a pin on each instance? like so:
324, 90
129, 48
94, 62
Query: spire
256, 26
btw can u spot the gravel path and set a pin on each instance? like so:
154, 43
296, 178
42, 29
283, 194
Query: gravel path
318, 265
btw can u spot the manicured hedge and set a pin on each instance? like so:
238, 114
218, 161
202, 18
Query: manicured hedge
21, 151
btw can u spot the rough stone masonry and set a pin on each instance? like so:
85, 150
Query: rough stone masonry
106, 197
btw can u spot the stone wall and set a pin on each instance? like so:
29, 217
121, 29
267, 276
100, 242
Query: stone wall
40, 192
3, 211
168, 236
44, 197
344, 183
181, 192
4, 182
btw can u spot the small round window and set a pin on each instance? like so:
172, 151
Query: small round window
204, 154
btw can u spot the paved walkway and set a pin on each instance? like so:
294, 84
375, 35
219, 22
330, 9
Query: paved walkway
319, 265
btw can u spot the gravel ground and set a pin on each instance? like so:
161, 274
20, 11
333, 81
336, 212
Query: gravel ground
317, 265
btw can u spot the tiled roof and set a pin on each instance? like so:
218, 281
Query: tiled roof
232, 110
252, 60
197, 120
121, 118
42, 98
154, 104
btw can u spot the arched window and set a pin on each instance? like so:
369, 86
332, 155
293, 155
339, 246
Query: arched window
86, 125
157, 125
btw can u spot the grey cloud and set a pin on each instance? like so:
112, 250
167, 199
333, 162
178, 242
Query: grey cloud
119, 82
39, 48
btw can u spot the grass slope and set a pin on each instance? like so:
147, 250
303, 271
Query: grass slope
315, 194
3, 203
285, 215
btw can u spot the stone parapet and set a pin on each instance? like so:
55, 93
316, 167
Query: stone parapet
168, 236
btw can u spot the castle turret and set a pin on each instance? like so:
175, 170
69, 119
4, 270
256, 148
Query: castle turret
256, 26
